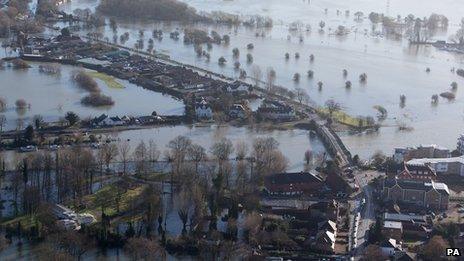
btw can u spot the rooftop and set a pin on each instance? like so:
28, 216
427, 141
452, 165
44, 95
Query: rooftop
435, 161
418, 185
393, 225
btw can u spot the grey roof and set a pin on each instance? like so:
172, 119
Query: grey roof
426, 186
393, 225
292, 178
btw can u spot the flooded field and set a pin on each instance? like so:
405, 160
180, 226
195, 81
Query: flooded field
293, 143
393, 67
51, 96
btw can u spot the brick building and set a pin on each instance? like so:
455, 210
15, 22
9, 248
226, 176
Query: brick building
428, 194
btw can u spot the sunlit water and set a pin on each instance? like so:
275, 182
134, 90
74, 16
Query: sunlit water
393, 67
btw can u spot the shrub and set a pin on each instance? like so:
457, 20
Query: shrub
97, 99
20, 64
85, 81
21, 104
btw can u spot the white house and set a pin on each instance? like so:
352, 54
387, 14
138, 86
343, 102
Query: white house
112, 121
203, 110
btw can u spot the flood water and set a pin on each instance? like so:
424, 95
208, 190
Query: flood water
52, 96
293, 143
393, 66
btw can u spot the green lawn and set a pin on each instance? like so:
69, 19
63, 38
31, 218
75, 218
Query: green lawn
344, 118
107, 197
109, 80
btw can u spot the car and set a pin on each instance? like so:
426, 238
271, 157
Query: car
28, 148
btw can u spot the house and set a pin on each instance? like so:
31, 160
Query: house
237, 111
239, 88
412, 171
412, 229
98, 121
274, 110
203, 110
112, 121
442, 166
424, 194
293, 184
392, 229
325, 242
328, 225
328, 210
390, 246
148, 120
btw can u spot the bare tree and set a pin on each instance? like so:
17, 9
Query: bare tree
256, 74
140, 157
222, 151
178, 151
332, 106
270, 78
124, 149
197, 154
301, 95
110, 151
267, 156
241, 149
2, 122
153, 152
143, 249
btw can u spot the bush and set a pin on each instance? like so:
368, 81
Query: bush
85, 81
50, 69
20, 64
97, 99
21, 104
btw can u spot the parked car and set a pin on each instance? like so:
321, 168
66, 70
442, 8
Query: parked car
28, 148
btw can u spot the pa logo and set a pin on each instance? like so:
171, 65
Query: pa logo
453, 252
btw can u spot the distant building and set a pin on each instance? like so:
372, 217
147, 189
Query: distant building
423, 151
292, 184
113, 121
442, 166
430, 195
239, 88
277, 111
203, 110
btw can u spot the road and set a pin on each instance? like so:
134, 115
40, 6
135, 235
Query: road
366, 212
